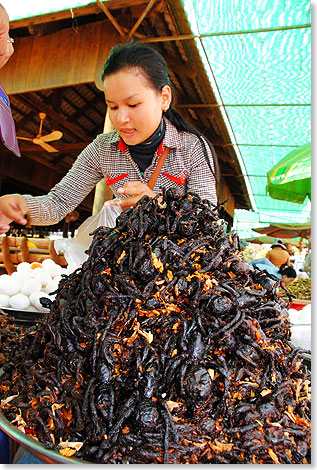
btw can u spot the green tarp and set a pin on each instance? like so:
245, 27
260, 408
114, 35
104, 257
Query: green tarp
258, 58
286, 230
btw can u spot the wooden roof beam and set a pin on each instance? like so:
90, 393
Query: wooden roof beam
90, 9
55, 160
199, 105
141, 18
223, 156
44, 162
85, 116
180, 69
56, 102
111, 18
60, 147
81, 111
25, 120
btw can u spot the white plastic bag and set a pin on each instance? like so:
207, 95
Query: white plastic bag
74, 248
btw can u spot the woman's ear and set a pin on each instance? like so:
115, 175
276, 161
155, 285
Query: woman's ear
166, 97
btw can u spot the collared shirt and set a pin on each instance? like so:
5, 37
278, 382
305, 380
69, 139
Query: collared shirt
108, 157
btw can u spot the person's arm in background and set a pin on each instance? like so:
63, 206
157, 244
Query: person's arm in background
6, 47
261, 261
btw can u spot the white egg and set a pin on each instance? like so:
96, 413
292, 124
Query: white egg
48, 262
2, 280
43, 276
4, 300
10, 286
53, 268
34, 297
56, 271
35, 271
31, 285
49, 265
22, 275
19, 301
35, 300
53, 285
24, 267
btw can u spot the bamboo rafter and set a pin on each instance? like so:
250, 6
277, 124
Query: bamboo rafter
145, 12
111, 18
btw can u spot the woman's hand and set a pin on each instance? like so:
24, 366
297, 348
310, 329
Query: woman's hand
134, 188
13, 207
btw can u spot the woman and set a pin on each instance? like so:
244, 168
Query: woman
139, 98
286, 273
278, 254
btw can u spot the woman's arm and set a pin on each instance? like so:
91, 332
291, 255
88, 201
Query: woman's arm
63, 198
70, 191
261, 261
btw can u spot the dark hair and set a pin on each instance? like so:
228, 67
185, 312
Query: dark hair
287, 271
154, 69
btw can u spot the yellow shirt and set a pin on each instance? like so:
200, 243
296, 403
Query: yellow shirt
278, 256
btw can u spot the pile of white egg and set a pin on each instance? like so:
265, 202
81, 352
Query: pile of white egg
23, 289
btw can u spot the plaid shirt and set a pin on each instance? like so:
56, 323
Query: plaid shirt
109, 157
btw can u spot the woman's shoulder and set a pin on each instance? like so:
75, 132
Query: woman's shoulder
102, 145
107, 138
178, 138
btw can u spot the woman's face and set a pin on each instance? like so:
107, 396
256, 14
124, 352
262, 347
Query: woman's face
288, 280
135, 109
